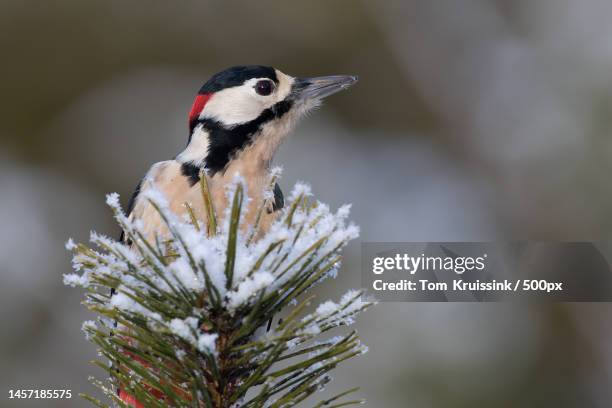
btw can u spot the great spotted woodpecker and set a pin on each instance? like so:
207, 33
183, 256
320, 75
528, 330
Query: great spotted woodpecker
236, 124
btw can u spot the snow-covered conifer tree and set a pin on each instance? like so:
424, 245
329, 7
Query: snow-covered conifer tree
188, 324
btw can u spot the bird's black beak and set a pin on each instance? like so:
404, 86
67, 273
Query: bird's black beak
321, 87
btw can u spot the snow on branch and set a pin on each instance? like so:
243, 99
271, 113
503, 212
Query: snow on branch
185, 325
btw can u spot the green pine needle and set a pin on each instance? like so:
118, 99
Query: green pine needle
184, 328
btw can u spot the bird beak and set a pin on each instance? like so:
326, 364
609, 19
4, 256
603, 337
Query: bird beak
321, 87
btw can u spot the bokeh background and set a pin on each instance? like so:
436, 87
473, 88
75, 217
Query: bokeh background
473, 120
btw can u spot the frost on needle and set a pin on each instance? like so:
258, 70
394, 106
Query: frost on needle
186, 325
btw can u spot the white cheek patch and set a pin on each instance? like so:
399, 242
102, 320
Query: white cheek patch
232, 106
241, 104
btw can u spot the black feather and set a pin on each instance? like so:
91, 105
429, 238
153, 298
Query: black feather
130, 207
279, 199
191, 171
225, 142
236, 76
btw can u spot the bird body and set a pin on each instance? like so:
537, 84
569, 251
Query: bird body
170, 178
237, 122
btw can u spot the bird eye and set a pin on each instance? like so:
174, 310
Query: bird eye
264, 87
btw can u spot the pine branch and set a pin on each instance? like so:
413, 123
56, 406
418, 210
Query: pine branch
185, 327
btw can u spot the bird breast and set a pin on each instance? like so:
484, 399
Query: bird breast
179, 189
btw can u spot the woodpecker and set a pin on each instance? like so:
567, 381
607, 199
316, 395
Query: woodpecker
237, 121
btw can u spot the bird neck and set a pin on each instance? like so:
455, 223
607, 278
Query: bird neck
247, 148
197, 149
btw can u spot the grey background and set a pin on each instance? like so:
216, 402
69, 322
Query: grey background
473, 120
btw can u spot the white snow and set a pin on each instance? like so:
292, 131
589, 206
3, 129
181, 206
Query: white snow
276, 172
186, 275
112, 200
74, 280
327, 308
309, 227
207, 343
183, 330
299, 189
70, 245
124, 302
248, 288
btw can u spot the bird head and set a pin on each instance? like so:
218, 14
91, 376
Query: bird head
246, 106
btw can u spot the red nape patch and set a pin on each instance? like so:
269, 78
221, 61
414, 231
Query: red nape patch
197, 107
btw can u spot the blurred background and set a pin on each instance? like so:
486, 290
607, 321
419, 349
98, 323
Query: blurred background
473, 120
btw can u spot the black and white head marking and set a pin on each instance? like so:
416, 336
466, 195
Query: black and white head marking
243, 104
239, 102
